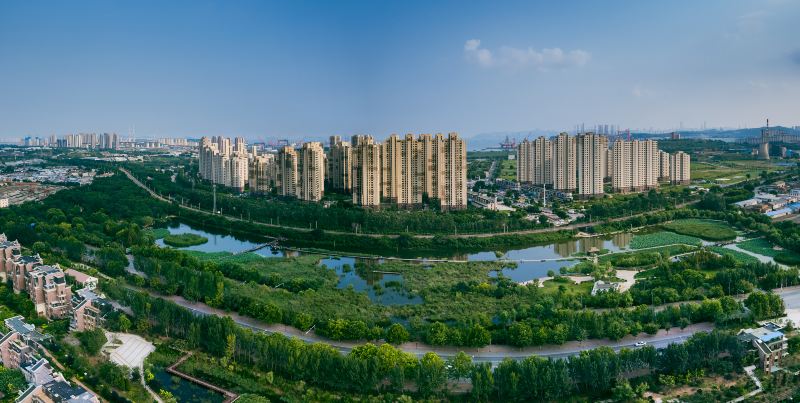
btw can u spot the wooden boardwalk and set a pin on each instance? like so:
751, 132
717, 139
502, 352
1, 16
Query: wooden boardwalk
172, 369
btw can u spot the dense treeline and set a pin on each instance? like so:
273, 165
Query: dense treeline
369, 368
643, 202
707, 275
712, 207
341, 216
595, 372
543, 319
402, 245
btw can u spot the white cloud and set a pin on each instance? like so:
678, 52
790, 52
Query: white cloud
506, 56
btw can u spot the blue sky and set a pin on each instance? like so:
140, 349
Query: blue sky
295, 69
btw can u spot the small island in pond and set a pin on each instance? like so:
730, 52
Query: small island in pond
184, 240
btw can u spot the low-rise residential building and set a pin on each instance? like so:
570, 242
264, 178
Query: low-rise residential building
48, 289
89, 310
19, 350
56, 391
82, 279
770, 344
18, 346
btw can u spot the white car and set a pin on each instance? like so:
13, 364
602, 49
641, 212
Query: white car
640, 343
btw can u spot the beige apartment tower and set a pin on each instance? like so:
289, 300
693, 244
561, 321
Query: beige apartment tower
287, 172
564, 163
339, 165
366, 171
636, 165
663, 166
535, 161
311, 181
680, 168
261, 177
590, 163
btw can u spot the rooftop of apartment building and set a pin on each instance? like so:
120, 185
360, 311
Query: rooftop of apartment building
47, 270
17, 324
23, 259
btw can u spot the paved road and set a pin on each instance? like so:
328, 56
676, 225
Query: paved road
478, 235
492, 354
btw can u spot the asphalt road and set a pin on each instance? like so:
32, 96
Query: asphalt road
492, 354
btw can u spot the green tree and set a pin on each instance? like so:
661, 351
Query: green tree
459, 366
437, 334
520, 334
397, 334
92, 340
431, 374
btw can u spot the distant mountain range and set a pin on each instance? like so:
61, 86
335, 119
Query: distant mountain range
492, 140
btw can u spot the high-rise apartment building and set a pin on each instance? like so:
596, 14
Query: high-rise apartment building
261, 176
366, 171
663, 166
452, 193
564, 163
680, 168
238, 171
432, 167
636, 165
406, 171
590, 163
535, 161
287, 171
48, 289
339, 165
311, 179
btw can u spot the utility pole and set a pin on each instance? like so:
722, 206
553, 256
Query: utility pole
214, 191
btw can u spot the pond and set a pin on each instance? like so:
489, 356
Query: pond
183, 390
532, 262
382, 288
561, 250
526, 271
218, 242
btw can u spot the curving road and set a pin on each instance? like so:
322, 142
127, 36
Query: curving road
476, 235
492, 354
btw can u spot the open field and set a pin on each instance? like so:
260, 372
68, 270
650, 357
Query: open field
507, 170
732, 171
763, 247
738, 256
705, 229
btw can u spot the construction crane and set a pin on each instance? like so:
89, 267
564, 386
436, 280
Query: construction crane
508, 144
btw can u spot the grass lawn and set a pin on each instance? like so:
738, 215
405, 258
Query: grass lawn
159, 233
226, 257
764, 247
552, 286
643, 258
730, 171
760, 246
662, 238
508, 170
743, 258
184, 240
705, 229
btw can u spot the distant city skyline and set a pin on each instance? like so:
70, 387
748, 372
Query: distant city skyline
265, 70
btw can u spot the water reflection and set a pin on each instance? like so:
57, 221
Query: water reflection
218, 242
527, 271
183, 390
386, 288
365, 275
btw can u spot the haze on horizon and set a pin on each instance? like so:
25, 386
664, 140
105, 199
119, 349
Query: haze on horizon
263, 69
